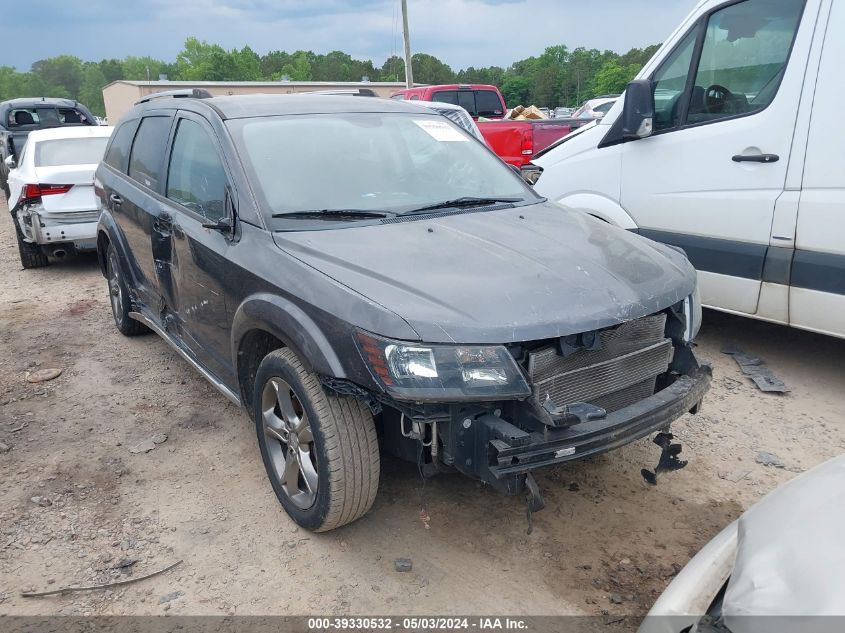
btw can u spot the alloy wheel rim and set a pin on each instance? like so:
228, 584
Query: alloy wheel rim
115, 292
290, 442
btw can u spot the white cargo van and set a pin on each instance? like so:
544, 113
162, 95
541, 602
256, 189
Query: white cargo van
731, 145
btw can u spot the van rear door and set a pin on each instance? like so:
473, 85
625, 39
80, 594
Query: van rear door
725, 104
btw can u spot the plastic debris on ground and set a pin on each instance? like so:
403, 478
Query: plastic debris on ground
756, 370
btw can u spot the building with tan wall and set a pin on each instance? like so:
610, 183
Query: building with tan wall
120, 96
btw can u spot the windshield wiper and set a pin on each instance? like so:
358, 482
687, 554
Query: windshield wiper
466, 201
332, 214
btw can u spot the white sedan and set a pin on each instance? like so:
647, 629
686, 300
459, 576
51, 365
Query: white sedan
52, 192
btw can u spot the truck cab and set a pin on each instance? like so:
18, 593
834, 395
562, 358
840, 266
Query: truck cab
480, 100
734, 155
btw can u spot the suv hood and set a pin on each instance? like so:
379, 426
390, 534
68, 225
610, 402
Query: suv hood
500, 276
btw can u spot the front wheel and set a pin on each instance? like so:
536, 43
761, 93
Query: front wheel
320, 450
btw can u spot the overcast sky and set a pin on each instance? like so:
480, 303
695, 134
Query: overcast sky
460, 32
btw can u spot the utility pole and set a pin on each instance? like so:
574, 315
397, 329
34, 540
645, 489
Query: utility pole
409, 73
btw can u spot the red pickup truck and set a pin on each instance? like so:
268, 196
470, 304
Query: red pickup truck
515, 142
479, 100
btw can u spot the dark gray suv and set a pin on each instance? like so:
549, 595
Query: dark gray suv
362, 275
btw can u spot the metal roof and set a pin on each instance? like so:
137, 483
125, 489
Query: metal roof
254, 105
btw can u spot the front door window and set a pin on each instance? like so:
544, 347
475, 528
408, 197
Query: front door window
738, 70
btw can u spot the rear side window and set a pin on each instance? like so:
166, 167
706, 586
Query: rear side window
196, 178
23, 117
487, 103
70, 151
476, 102
445, 96
148, 149
118, 152
46, 117
71, 116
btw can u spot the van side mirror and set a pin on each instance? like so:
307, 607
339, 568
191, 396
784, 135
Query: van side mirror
638, 113
637, 118
10, 162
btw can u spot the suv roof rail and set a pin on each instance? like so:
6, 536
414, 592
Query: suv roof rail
353, 92
193, 93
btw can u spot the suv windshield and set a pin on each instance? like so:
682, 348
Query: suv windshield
375, 162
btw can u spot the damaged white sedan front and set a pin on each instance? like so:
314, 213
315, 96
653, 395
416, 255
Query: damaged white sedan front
52, 200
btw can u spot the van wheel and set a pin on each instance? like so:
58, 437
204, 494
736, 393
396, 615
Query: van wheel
119, 298
31, 254
320, 450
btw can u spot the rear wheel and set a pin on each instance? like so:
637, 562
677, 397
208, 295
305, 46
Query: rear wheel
31, 254
119, 298
320, 450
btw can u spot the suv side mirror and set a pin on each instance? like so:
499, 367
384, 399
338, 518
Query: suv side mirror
10, 162
638, 113
226, 224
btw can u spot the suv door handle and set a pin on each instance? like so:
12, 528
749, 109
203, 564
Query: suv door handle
115, 199
163, 223
756, 158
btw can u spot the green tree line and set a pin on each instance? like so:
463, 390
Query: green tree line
558, 77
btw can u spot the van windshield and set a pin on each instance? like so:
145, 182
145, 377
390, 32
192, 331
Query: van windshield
368, 162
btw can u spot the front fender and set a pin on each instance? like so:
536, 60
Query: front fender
291, 325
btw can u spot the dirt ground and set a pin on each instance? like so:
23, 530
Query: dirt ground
78, 507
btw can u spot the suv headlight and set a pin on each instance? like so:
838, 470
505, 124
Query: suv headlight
692, 315
443, 373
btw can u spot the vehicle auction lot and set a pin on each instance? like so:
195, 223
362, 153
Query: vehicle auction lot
76, 504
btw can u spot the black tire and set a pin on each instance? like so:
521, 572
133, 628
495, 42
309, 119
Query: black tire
119, 298
31, 254
343, 449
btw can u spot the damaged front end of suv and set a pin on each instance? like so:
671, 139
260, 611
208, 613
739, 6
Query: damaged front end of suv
497, 413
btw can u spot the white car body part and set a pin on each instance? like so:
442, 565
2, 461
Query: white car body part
595, 108
456, 114
782, 561
52, 188
744, 171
